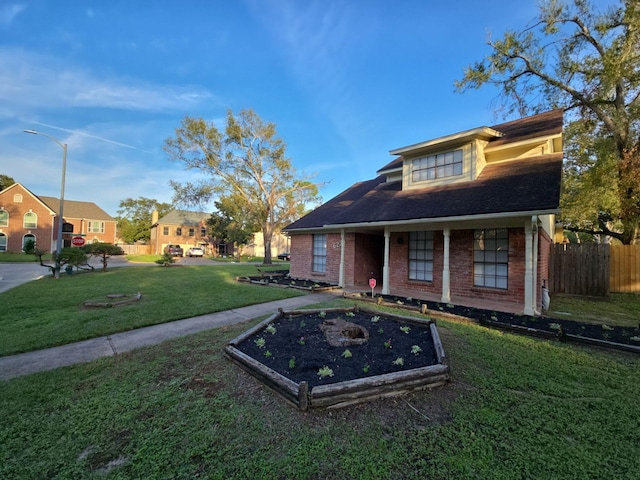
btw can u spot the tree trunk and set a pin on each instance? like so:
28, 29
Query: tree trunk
267, 235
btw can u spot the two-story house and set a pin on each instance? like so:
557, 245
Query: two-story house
25, 216
458, 218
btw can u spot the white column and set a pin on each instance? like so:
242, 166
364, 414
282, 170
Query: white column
446, 282
341, 274
534, 290
385, 266
529, 306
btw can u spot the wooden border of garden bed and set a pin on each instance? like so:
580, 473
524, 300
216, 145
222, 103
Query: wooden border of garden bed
342, 394
266, 281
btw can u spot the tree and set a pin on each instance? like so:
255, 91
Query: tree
246, 163
5, 181
134, 218
587, 63
227, 223
102, 250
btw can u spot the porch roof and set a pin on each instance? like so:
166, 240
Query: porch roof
525, 185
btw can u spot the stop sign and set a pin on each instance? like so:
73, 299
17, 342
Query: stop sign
77, 241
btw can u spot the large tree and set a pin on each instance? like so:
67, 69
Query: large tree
5, 181
135, 218
588, 63
245, 162
228, 223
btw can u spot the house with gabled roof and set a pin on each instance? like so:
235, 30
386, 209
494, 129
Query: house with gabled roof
25, 216
458, 219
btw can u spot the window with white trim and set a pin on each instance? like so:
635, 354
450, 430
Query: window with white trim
491, 258
441, 165
4, 218
29, 237
94, 226
421, 256
319, 253
3, 242
30, 220
165, 230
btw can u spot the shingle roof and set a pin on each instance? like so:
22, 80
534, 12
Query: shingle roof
75, 209
525, 185
183, 217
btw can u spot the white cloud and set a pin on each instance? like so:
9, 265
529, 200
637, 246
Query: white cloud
33, 81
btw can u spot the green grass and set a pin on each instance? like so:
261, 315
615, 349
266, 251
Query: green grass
12, 257
49, 312
139, 258
517, 408
619, 309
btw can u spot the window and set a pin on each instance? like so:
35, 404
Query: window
192, 232
30, 220
165, 230
4, 218
28, 238
203, 231
442, 165
179, 231
319, 253
93, 226
421, 256
17, 198
3, 242
491, 258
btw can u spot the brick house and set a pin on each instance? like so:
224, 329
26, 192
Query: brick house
461, 218
25, 216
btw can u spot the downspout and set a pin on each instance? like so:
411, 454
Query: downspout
446, 281
341, 274
385, 265
534, 225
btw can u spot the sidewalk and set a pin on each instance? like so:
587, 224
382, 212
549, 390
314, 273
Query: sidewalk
88, 350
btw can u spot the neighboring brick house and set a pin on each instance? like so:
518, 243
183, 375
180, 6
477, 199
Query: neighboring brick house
187, 229
25, 216
458, 218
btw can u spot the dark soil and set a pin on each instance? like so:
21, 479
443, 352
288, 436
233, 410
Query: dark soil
554, 327
282, 278
299, 349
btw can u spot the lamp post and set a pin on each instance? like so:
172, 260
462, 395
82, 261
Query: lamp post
56, 272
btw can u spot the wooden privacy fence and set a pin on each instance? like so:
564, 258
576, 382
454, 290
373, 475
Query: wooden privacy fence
594, 269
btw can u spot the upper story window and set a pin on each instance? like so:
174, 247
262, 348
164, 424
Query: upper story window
192, 232
17, 198
4, 218
94, 226
441, 165
179, 231
165, 230
30, 220
203, 231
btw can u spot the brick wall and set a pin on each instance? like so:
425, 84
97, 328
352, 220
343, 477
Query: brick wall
15, 231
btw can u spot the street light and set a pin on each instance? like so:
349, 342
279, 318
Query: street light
56, 272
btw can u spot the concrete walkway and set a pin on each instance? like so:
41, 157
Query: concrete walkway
88, 350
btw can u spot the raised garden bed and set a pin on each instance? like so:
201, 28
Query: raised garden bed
337, 357
113, 300
602, 335
282, 279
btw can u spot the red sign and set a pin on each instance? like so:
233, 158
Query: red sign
77, 241
372, 282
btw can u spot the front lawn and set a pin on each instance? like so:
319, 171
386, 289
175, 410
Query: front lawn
621, 309
517, 407
49, 312
12, 257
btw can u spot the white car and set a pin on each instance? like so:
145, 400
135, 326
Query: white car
195, 252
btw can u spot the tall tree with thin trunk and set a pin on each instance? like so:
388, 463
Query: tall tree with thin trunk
245, 162
588, 63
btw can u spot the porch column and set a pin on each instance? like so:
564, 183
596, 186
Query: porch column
341, 274
534, 291
446, 282
529, 305
385, 265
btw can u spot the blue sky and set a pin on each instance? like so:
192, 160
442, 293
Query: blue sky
345, 82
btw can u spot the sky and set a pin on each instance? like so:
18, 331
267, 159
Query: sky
344, 81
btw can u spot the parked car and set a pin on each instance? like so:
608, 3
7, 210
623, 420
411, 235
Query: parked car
174, 250
285, 256
195, 252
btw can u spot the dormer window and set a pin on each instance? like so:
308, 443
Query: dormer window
441, 165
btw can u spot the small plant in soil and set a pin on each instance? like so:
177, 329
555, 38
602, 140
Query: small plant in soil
415, 349
322, 314
381, 330
325, 372
350, 314
635, 339
260, 342
292, 363
271, 329
606, 327
267, 354
301, 341
398, 361
365, 368
303, 323
554, 326
387, 344
405, 329
347, 354
375, 319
